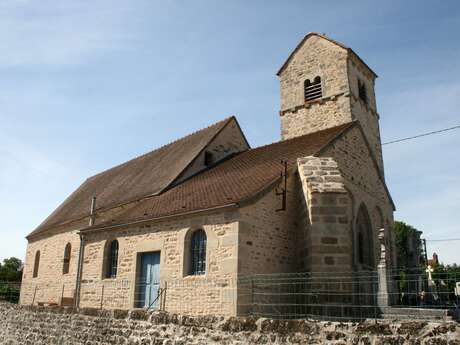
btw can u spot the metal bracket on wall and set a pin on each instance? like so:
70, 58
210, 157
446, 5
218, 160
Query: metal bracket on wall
283, 191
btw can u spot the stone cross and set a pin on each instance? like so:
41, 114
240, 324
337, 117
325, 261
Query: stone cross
429, 270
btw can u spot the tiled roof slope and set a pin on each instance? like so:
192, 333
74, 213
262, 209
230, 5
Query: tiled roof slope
231, 181
138, 178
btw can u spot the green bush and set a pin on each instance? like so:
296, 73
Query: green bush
9, 293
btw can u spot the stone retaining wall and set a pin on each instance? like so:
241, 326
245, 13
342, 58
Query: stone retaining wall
35, 325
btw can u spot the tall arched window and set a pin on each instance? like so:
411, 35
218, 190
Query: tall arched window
36, 264
198, 253
364, 238
66, 264
313, 90
111, 266
360, 247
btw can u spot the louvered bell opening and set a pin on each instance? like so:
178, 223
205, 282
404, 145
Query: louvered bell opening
313, 91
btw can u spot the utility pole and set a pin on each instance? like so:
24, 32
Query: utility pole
424, 251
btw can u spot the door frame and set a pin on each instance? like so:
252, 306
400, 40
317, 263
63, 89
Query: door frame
140, 248
138, 287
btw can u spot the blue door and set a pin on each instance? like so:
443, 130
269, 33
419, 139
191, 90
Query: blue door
149, 280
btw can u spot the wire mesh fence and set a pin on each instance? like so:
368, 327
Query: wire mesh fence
418, 288
313, 295
326, 296
9, 291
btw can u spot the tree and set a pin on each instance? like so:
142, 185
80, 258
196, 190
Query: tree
405, 234
11, 269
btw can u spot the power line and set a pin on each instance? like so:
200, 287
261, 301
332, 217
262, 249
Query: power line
422, 135
445, 240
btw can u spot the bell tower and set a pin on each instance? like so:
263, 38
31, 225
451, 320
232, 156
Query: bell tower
324, 84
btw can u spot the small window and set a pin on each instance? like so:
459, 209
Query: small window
66, 264
362, 91
313, 90
36, 264
208, 158
198, 253
112, 260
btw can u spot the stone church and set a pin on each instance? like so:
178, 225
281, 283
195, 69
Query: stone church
193, 217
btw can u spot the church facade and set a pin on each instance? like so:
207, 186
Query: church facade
189, 220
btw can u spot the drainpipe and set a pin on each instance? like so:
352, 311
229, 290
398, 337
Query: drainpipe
92, 216
92, 211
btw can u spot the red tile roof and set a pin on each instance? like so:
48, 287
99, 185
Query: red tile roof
138, 178
232, 181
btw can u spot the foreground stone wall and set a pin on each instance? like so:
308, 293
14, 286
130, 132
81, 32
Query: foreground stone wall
32, 325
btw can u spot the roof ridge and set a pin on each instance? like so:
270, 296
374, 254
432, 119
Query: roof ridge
221, 123
210, 188
345, 125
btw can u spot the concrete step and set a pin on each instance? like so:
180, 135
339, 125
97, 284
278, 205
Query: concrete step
416, 314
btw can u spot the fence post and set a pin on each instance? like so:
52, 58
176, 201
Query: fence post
102, 296
382, 295
164, 296
62, 295
35, 292
252, 296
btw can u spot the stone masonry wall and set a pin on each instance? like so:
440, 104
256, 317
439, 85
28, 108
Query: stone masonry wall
41, 326
365, 113
339, 71
268, 238
210, 293
315, 116
50, 284
361, 179
328, 240
316, 57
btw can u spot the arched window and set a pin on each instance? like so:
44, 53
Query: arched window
362, 91
66, 264
36, 264
313, 90
198, 253
111, 265
360, 247
364, 238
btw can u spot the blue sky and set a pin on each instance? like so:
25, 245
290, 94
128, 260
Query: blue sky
85, 85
